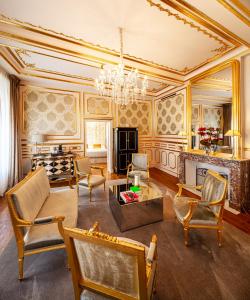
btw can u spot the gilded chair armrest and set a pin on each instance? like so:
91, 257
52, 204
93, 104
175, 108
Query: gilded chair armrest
95, 227
187, 186
98, 168
152, 252
40, 221
192, 205
48, 220
215, 203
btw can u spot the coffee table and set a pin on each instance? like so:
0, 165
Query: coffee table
147, 210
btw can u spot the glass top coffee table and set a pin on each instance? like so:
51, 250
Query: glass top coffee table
147, 210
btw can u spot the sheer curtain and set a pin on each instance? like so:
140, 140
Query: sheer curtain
5, 132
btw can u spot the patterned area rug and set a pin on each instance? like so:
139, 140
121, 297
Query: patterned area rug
200, 271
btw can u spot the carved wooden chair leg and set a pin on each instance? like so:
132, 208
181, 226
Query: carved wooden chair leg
90, 195
186, 232
20, 261
219, 237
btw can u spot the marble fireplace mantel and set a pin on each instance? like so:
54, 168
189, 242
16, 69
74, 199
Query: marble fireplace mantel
239, 175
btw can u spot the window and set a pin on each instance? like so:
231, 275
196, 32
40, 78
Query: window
5, 132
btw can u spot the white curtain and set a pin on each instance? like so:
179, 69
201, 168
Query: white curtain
5, 132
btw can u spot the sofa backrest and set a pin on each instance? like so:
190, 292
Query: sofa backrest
29, 194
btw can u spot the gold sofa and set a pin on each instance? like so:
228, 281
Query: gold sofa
37, 214
204, 213
107, 267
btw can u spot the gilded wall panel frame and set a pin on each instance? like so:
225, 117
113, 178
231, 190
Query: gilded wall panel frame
170, 116
97, 107
59, 114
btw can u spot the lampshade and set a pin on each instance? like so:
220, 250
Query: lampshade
232, 133
38, 138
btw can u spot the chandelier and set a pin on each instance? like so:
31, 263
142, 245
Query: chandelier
123, 87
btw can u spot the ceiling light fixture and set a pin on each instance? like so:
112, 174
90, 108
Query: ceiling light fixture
123, 87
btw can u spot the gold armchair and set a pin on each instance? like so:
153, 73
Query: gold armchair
204, 213
139, 165
84, 177
107, 267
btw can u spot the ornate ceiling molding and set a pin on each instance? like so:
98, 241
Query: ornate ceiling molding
241, 7
81, 42
191, 24
229, 7
225, 48
198, 16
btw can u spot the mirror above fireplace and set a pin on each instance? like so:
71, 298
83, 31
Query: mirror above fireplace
213, 98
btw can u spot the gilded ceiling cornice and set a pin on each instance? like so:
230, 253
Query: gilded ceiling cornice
25, 53
200, 17
9, 62
241, 7
230, 8
191, 24
48, 32
78, 41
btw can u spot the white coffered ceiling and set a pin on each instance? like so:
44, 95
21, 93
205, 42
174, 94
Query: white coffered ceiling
66, 42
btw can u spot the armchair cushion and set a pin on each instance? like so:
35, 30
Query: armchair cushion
94, 180
30, 196
201, 215
89, 295
140, 161
95, 260
143, 174
63, 203
213, 189
83, 165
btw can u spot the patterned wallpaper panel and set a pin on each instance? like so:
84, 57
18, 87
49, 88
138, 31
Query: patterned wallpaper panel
213, 116
49, 113
137, 115
97, 107
169, 115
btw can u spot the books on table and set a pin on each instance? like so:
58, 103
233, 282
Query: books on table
129, 196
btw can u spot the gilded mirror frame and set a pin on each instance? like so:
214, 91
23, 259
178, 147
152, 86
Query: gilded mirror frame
236, 110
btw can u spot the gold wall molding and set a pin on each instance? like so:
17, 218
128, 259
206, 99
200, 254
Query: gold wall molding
200, 17
229, 7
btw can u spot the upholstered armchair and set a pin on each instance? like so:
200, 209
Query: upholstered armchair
204, 213
84, 177
107, 267
139, 165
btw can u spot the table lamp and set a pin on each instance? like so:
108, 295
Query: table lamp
232, 133
38, 139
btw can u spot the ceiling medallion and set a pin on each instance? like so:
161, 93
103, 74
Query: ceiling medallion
123, 87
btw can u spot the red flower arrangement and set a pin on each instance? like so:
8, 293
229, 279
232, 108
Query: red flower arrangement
210, 136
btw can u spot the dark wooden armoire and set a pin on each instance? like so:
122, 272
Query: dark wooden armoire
125, 143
